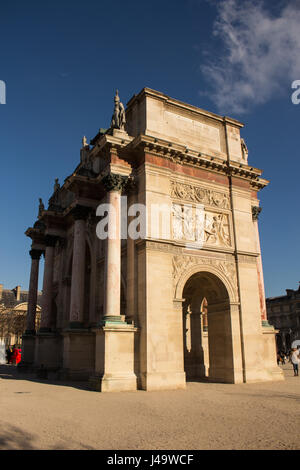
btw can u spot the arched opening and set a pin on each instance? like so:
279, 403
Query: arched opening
207, 332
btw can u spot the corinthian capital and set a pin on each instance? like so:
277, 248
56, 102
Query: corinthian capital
35, 254
114, 182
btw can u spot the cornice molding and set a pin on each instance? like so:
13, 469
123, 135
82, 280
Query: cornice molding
180, 104
185, 156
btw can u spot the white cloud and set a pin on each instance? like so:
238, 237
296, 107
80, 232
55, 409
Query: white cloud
260, 56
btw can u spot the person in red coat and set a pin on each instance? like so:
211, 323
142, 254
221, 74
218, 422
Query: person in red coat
18, 358
16, 355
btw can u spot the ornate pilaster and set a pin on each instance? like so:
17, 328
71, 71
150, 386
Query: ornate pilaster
261, 288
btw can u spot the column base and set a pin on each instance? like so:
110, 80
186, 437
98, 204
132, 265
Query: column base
48, 351
78, 354
225, 375
114, 383
270, 370
113, 320
28, 351
114, 369
194, 372
264, 374
162, 381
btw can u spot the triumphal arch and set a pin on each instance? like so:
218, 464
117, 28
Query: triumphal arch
153, 272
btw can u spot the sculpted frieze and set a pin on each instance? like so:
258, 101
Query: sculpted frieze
189, 192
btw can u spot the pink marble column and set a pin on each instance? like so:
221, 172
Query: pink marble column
48, 284
130, 291
113, 260
78, 268
261, 286
33, 288
113, 183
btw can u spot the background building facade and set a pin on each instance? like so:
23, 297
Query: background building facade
284, 314
13, 312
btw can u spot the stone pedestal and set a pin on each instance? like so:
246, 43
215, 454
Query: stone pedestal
114, 368
48, 351
78, 354
272, 371
153, 381
224, 339
28, 352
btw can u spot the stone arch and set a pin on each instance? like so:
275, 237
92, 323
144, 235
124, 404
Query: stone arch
196, 268
223, 353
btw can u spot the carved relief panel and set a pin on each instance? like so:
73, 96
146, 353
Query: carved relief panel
204, 218
196, 224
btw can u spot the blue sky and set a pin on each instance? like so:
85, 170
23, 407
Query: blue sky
62, 61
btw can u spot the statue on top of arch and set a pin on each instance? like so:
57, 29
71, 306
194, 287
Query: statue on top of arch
118, 119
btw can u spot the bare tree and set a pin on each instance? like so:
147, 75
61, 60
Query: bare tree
12, 323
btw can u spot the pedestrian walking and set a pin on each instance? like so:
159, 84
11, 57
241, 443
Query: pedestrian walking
16, 356
295, 361
8, 354
278, 358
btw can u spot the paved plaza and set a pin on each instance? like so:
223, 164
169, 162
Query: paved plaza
40, 414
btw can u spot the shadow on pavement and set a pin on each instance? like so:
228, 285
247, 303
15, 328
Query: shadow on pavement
11, 372
13, 438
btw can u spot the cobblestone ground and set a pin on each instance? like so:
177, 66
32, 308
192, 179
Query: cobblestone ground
38, 414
